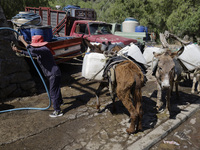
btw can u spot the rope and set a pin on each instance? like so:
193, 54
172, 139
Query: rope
72, 56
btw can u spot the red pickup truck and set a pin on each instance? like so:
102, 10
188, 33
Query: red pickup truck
81, 22
97, 31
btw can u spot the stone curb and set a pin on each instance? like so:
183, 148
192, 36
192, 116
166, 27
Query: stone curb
163, 130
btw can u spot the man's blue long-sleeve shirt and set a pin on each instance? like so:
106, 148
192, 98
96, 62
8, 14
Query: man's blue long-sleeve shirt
45, 60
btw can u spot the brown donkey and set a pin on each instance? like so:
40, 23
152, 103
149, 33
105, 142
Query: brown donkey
125, 81
129, 79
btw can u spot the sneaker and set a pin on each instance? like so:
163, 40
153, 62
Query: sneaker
56, 114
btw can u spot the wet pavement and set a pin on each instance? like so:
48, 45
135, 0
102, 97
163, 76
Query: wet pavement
82, 127
186, 136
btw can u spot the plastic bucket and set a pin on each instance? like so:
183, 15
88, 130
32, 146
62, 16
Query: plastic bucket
139, 29
93, 64
136, 54
26, 32
45, 31
190, 57
149, 56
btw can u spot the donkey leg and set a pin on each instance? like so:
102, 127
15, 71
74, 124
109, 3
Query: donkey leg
124, 96
198, 85
98, 92
177, 92
159, 103
194, 82
112, 87
113, 103
138, 100
168, 106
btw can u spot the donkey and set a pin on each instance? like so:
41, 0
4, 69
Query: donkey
186, 45
165, 73
129, 79
125, 82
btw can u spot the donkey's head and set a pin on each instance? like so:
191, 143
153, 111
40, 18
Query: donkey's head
165, 68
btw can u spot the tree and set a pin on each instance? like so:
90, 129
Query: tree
185, 19
158, 15
12, 7
63, 3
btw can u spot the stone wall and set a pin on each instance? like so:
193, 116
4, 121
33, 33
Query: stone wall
15, 78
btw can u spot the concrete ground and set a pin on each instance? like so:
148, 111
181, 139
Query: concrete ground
186, 136
81, 126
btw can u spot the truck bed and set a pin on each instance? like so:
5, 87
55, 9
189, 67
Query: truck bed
66, 49
139, 36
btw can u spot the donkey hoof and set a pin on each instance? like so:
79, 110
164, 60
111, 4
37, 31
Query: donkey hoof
98, 107
192, 92
140, 128
159, 109
130, 130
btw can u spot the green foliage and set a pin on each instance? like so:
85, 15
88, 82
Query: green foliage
12, 7
178, 16
185, 19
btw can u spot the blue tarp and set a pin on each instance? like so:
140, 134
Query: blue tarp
66, 8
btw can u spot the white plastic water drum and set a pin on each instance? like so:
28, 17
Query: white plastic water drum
129, 25
191, 56
149, 57
93, 64
134, 52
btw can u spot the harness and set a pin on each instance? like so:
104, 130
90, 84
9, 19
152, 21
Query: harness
109, 70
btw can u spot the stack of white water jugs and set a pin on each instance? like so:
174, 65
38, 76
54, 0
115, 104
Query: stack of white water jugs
93, 63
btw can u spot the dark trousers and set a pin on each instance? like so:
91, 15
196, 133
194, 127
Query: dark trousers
54, 91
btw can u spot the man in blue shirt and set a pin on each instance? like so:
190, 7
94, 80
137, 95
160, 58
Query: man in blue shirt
38, 48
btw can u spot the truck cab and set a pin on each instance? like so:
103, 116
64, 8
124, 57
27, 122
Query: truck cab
116, 29
97, 31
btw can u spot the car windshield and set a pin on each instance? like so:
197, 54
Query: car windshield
99, 29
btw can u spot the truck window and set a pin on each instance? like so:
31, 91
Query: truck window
97, 29
117, 27
81, 29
